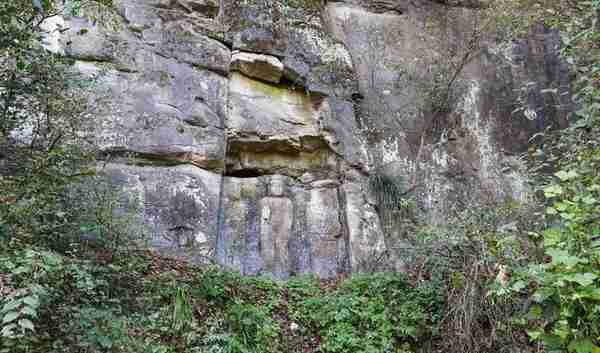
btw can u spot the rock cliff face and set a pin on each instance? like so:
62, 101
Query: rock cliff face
249, 129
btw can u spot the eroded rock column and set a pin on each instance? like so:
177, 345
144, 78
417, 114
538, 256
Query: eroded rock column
276, 217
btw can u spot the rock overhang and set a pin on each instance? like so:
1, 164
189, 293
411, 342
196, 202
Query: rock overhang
263, 106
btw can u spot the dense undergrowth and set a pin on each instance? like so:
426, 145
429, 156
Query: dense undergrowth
140, 302
95, 297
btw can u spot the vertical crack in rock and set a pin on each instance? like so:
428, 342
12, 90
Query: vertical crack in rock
261, 159
344, 249
219, 241
252, 263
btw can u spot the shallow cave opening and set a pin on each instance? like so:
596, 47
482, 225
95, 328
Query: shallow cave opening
297, 84
244, 173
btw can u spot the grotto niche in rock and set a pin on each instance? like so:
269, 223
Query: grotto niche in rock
250, 129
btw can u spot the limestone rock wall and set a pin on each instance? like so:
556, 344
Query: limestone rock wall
467, 155
242, 125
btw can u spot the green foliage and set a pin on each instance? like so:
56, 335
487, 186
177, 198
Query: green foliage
182, 310
370, 313
214, 286
389, 191
46, 287
253, 329
467, 260
52, 207
46, 160
29, 275
137, 303
397, 213
564, 284
66, 284
394, 200
102, 214
566, 287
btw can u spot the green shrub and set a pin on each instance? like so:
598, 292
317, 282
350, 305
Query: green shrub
252, 327
30, 274
461, 261
58, 303
181, 309
565, 287
371, 313
217, 287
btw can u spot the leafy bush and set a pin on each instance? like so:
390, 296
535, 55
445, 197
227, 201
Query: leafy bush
48, 192
214, 286
53, 297
30, 275
371, 313
564, 284
253, 329
139, 303
565, 287
182, 310
467, 260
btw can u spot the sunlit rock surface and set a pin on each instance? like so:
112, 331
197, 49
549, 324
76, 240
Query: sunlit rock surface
249, 129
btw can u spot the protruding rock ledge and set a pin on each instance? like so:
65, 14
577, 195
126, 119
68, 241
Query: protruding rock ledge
260, 66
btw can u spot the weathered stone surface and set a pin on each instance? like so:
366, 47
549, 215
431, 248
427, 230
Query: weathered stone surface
277, 129
544, 87
466, 162
324, 231
158, 97
316, 61
252, 128
169, 112
272, 128
295, 33
242, 164
87, 41
339, 127
263, 67
186, 46
465, 3
210, 8
143, 29
277, 226
179, 206
367, 245
237, 238
254, 26
394, 7
276, 229
196, 16
261, 111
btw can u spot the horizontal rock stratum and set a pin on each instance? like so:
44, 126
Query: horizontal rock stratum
255, 126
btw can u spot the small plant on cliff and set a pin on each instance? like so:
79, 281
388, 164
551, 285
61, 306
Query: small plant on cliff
182, 310
394, 200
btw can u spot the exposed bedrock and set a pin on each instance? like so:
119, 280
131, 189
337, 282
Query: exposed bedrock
470, 153
249, 129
